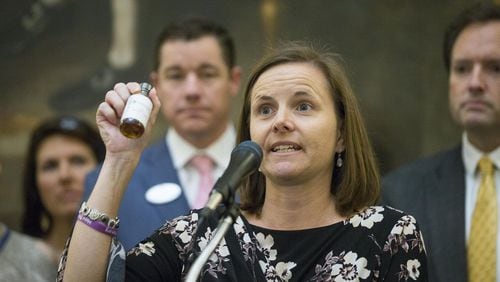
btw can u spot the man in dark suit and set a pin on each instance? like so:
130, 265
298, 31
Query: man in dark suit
196, 78
441, 191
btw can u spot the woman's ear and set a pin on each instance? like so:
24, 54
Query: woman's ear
340, 146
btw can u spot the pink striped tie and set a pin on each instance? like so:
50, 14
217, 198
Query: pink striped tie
204, 166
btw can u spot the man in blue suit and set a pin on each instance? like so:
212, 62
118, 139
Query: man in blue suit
441, 191
196, 78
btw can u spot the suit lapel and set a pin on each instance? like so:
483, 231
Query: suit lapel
159, 162
446, 216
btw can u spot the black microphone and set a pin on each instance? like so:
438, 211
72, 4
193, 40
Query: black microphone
245, 159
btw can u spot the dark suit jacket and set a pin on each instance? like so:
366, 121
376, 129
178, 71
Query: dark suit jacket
433, 191
138, 217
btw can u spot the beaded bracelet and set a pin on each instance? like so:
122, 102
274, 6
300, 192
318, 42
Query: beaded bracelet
98, 221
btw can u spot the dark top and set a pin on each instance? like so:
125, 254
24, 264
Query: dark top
379, 243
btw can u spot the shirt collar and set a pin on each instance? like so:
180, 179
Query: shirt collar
472, 155
219, 151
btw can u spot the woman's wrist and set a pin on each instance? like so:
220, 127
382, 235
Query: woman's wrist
98, 220
121, 160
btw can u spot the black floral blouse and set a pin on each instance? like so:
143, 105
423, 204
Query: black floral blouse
376, 244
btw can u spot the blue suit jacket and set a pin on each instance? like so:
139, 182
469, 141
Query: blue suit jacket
138, 217
433, 191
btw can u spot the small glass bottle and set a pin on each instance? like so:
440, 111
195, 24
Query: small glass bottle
136, 113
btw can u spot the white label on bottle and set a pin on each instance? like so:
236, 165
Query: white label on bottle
138, 107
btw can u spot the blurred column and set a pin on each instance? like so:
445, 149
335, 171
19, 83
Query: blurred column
269, 15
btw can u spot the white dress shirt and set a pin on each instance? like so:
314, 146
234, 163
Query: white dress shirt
182, 152
471, 156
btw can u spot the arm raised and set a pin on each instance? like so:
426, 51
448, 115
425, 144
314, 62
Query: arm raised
89, 249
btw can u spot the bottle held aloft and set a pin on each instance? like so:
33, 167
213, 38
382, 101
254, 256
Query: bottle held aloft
136, 113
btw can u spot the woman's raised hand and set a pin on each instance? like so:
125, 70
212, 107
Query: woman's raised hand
108, 117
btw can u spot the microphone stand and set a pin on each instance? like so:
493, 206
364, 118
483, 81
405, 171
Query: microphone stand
230, 216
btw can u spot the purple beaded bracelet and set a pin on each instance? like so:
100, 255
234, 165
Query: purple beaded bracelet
98, 225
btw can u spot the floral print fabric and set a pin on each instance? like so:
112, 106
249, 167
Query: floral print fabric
376, 244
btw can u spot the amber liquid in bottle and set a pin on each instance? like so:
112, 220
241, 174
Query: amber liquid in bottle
136, 113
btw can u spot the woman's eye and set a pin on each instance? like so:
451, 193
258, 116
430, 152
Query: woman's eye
304, 107
49, 165
265, 110
78, 160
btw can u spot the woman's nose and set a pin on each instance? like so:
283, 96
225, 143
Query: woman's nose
64, 171
283, 122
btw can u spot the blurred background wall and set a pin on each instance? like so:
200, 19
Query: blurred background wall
392, 48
